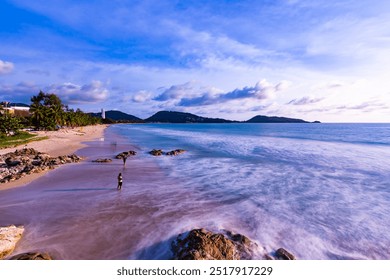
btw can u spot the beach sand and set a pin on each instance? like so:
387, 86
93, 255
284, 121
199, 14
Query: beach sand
61, 142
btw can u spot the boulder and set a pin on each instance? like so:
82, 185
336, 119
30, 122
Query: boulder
283, 254
35, 256
125, 154
9, 236
175, 152
200, 244
102, 160
155, 152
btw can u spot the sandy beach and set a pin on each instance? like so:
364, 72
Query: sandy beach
61, 142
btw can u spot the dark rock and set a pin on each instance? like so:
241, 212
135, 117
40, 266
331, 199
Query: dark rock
125, 154
200, 244
102, 160
12, 161
155, 152
35, 256
175, 152
283, 254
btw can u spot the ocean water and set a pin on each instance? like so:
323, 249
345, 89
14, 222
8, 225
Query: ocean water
321, 191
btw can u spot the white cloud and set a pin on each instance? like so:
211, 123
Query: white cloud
305, 100
6, 67
190, 94
141, 96
73, 94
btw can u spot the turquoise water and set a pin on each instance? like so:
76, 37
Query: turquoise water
319, 190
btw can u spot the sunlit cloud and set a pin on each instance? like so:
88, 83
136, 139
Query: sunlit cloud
6, 67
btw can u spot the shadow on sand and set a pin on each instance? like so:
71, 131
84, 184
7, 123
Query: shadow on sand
81, 190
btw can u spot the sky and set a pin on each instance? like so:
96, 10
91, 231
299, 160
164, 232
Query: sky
315, 60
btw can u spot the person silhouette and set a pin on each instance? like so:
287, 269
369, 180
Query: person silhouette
120, 181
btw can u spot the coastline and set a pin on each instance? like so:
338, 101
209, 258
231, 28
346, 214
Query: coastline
61, 142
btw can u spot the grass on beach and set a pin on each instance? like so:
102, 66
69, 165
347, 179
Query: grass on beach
19, 139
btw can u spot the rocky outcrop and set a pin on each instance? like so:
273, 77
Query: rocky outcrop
22, 162
35, 256
102, 160
156, 153
283, 254
125, 154
175, 152
9, 236
200, 244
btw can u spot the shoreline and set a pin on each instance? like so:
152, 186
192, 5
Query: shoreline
61, 142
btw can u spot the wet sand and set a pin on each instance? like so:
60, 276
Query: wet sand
75, 212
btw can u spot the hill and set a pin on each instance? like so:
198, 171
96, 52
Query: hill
180, 117
265, 119
118, 116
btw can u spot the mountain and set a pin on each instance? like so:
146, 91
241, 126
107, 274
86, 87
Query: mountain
265, 119
118, 116
180, 117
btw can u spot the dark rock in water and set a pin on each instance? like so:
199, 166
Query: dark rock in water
200, 244
283, 254
175, 152
35, 256
155, 152
102, 160
125, 154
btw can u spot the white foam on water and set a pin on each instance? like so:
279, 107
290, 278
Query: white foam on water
322, 200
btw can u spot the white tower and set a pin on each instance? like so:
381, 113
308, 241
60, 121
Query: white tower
103, 114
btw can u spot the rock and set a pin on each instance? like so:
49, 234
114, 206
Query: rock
125, 154
9, 236
102, 160
283, 254
17, 164
155, 152
200, 244
35, 256
12, 161
175, 152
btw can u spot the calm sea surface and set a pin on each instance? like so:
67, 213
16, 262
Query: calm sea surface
320, 190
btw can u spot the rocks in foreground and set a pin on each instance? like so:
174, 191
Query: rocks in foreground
125, 154
22, 162
9, 236
200, 244
35, 256
176, 152
283, 254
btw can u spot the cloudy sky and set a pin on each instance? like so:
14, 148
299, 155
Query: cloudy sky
311, 59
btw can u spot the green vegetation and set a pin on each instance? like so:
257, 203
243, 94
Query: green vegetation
19, 139
47, 112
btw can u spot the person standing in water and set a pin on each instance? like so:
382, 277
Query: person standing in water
124, 160
120, 181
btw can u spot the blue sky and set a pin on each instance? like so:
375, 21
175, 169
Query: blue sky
316, 60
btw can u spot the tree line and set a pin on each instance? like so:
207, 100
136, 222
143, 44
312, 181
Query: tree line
47, 112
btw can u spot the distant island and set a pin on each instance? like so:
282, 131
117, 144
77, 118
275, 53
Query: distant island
181, 117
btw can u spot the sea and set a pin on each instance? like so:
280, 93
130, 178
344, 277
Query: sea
322, 191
